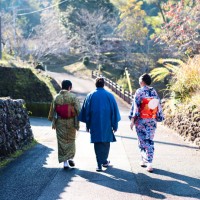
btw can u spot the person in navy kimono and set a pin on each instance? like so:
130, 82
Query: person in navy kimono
145, 112
101, 115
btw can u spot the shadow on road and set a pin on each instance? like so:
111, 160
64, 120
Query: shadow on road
26, 177
114, 178
159, 142
40, 121
36, 175
121, 180
181, 185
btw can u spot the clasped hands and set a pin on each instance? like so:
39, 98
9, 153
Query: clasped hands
88, 130
132, 123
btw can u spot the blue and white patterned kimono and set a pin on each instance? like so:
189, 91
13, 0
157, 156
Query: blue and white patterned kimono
145, 128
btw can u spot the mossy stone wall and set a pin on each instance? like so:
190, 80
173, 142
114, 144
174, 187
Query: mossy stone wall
15, 129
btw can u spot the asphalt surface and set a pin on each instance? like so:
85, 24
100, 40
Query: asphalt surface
37, 175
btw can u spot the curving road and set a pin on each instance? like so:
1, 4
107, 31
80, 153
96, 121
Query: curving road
80, 86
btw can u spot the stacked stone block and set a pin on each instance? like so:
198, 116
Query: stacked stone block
15, 129
185, 122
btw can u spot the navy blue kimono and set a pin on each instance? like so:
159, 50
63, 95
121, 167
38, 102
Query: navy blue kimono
101, 115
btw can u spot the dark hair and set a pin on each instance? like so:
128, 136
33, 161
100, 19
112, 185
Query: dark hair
99, 82
146, 79
66, 84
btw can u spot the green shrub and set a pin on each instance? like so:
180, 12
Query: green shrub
184, 84
123, 83
38, 109
101, 67
184, 77
86, 61
40, 66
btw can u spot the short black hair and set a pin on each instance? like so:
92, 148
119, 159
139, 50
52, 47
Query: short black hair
100, 82
66, 84
146, 78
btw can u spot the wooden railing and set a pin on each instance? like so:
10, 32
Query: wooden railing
125, 95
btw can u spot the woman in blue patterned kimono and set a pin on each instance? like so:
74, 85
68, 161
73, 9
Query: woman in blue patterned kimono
145, 112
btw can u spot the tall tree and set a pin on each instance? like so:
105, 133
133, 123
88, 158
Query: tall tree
159, 4
132, 26
181, 33
20, 10
50, 38
93, 28
90, 5
11, 35
134, 31
70, 8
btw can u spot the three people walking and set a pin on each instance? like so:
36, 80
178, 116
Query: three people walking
101, 115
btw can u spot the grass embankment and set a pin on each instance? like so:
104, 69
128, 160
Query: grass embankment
17, 154
182, 108
38, 77
19, 80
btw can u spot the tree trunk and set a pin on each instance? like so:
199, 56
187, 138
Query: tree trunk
161, 10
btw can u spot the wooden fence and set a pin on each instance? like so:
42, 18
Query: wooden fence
125, 95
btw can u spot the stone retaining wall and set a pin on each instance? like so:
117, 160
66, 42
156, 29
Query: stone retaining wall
186, 123
15, 129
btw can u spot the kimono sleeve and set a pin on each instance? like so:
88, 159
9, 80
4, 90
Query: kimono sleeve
159, 114
52, 114
115, 117
51, 111
77, 105
85, 113
134, 111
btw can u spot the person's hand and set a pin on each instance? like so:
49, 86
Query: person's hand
53, 124
87, 130
132, 124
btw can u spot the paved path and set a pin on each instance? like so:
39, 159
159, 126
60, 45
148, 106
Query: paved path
36, 175
81, 87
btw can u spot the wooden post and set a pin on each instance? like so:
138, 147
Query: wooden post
128, 79
0, 41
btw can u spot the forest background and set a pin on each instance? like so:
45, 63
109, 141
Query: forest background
160, 37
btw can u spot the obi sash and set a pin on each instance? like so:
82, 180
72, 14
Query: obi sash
65, 111
149, 108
